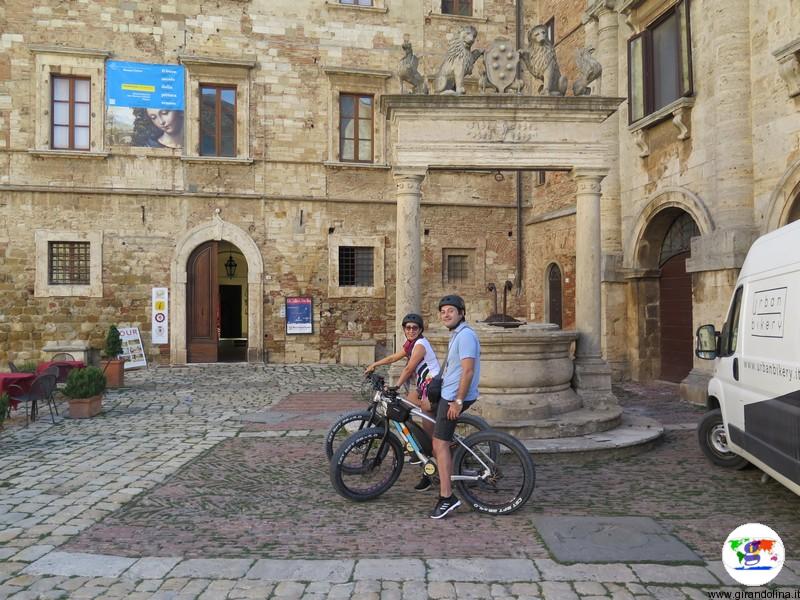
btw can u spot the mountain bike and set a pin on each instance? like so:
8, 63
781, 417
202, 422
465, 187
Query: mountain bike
492, 471
357, 420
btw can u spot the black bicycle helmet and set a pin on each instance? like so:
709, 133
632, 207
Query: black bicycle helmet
453, 300
416, 319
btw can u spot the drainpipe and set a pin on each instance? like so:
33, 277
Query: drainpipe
520, 27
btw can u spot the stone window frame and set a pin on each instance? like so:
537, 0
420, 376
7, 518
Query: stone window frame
478, 12
377, 243
72, 62
377, 6
208, 70
357, 140
43, 288
363, 82
651, 115
470, 254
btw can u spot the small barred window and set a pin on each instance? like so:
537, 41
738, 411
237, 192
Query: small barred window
457, 268
68, 263
356, 266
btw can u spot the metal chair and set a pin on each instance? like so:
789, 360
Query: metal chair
40, 390
52, 371
12, 367
63, 356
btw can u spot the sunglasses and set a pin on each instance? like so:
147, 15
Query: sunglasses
411, 327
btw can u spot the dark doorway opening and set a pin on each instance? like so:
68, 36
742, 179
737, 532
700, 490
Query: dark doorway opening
232, 346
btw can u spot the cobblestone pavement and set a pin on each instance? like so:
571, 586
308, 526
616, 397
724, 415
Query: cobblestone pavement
211, 482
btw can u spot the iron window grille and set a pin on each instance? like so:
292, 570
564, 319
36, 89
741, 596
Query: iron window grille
355, 128
356, 266
356, 2
660, 63
461, 8
217, 120
68, 263
457, 268
71, 113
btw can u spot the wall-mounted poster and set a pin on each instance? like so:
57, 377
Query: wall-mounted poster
144, 104
299, 315
160, 324
132, 349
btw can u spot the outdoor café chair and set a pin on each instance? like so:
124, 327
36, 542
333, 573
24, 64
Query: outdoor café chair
51, 399
12, 367
40, 390
63, 356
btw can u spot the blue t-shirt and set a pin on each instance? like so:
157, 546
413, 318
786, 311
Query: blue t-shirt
463, 344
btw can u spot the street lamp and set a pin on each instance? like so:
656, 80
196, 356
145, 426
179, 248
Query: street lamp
230, 266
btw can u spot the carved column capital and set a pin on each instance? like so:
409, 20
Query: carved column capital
588, 180
408, 181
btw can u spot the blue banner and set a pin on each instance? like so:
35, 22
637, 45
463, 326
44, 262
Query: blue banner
299, 317
141, 85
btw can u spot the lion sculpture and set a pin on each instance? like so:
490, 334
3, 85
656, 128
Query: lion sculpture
458, 63
408, 71
540, 60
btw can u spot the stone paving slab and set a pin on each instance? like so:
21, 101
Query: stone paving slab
151, 567
71, 564
212, 568
335, 571
397, 569
674, 574
617, 573
594, 539
482, 569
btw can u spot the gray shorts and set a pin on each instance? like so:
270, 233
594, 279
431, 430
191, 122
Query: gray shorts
445, 428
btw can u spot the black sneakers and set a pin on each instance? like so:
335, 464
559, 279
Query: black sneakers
445, 506
413, 459
424, 484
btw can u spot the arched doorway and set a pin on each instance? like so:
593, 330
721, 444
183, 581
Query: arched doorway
249, 273
216, 306
794, 212
675, 300
554, 296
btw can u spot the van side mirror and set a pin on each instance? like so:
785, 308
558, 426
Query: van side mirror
707, 342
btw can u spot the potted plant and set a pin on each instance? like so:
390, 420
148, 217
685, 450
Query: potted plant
84, 391
113, 366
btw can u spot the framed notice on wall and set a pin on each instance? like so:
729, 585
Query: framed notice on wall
299, 315
132, 349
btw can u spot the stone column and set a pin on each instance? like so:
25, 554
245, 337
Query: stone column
408, 274
592, 377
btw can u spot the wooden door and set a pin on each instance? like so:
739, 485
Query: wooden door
554, 295
675, 299
202, 304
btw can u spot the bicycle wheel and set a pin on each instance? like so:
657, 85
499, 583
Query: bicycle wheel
366, 465
469, 423
344, 427
511, 477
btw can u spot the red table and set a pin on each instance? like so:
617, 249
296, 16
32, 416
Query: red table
23, 380
64, 367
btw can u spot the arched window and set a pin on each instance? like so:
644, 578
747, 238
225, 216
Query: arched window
678, 238
554, 312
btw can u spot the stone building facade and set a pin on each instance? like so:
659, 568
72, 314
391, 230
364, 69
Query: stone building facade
705, 156
707, 149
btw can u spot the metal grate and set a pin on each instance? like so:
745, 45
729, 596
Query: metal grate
356, 265
457, 268
68, 263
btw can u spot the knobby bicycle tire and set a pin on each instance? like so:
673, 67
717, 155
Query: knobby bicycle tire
365, 465
359, 417
513, 473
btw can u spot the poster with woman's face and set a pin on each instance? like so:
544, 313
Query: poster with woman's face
144, 104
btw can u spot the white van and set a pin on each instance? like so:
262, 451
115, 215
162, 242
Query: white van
754, 395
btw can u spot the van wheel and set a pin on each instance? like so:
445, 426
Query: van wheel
714, 442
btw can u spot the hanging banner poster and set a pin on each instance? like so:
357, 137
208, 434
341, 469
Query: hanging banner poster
132, 349
299, 315
160, 322
144, 104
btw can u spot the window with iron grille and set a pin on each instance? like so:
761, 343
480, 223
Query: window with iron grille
357, 2
68, 263
217, 120
462, 8
660, 63
355, 128
356, 266
457, 268
71, 104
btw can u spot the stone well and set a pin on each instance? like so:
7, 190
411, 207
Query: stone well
526, 382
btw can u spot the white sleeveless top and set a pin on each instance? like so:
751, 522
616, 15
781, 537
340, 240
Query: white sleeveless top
428, 367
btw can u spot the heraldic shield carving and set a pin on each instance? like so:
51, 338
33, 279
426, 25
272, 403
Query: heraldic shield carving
501, 60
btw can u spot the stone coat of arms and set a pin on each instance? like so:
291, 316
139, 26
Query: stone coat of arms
501, 60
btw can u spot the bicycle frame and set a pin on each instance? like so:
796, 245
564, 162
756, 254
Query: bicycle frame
410, 442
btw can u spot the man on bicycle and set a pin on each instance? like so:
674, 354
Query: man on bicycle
462, 372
